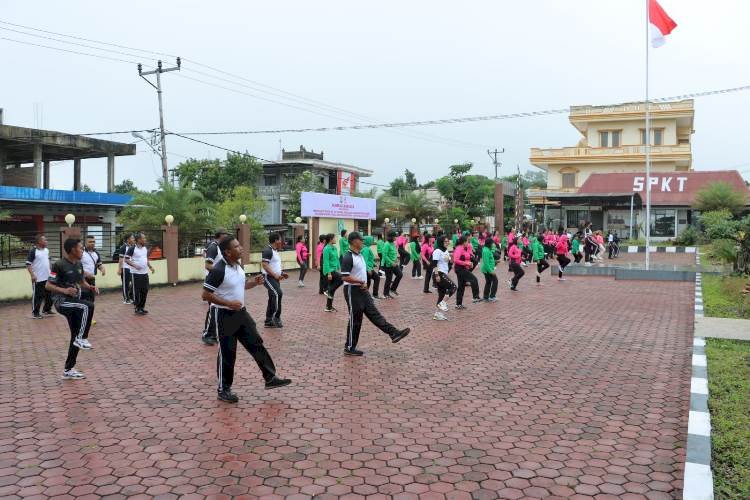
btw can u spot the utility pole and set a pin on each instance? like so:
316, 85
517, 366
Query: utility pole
158, 71
493, 157
499, 194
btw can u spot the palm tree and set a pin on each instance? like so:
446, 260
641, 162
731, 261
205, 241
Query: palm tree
417, 206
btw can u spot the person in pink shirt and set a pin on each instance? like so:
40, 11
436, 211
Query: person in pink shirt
462, 265
562, 249
301, 250
514, 254
403, 252
323, 283
425, 255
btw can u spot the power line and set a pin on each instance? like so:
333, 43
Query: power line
68, 50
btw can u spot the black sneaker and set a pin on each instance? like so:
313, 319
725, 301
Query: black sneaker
427, 291
278, 324
277, 382
269, 324
49, 313
353, 352
143, 311
400, 335
394, 292
36, 316
140, 312
460, 306
208, 340
474, 301
513, 289
228, 396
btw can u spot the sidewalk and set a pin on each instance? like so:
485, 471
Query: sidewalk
722, 328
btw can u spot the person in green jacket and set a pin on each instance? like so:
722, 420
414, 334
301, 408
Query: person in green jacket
539, 256
488, 269
379, 244
331, 268
416, 262
504, 246
372, 274
343, 244
389, 262
454, 240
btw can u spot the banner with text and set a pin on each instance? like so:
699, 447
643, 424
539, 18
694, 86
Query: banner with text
334, 206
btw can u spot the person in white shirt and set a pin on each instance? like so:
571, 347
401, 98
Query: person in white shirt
92, 263
37, 264
359, 300
272, 276
137, 258
441, 260
224, 289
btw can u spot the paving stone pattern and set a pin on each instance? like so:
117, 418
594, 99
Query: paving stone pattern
577, 389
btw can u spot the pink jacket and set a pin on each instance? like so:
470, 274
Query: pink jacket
319, 253
515, 254
462, 256
562, 245
426, 253
302, 252
401, 241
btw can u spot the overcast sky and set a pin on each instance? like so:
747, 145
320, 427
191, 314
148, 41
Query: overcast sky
388, 61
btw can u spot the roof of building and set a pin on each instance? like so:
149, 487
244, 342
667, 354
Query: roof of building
36, 195
322, 164
669, 188
18, 144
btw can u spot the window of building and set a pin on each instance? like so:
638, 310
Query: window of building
609, 138
663, 222
270, 180
568, 181
657, 136
576, 218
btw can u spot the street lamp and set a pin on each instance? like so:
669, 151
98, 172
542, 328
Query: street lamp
298, 220
70, 219
243, 218
169, 219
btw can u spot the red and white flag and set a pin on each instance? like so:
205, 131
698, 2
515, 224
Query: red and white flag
660, 24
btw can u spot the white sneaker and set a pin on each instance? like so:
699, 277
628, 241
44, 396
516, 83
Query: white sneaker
82, 344
72, 374
300, 284
438, 316
443, 306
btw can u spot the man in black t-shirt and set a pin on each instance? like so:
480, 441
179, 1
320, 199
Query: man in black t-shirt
123, 270
66, 283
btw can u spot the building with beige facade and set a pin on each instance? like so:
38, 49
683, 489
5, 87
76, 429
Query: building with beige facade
602, 178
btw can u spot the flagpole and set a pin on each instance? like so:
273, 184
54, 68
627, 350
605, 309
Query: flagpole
648, 145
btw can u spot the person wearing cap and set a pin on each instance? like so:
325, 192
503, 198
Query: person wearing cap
359, 301
212, 257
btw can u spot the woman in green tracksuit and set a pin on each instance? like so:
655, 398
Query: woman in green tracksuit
389, 262
343, 244
488, 269
504, 246
416, 262
331, 268
538, 255
372, 274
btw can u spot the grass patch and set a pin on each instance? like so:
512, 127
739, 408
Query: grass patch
722, 297
729, 402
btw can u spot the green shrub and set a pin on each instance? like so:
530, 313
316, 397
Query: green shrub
724, 250
718, 224
688, 237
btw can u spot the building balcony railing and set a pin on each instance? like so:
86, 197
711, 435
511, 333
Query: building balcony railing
543, 155
632, 107
272, 190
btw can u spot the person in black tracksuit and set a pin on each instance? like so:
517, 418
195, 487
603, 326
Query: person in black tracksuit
92, 264
66, 283
358, 299
272, 276
224, 289
123, 270
137, 258
213, 256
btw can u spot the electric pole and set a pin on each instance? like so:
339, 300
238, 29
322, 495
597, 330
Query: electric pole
158, 71
493, 157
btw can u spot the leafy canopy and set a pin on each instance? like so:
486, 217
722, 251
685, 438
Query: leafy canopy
720, 196
307, 181
216, 179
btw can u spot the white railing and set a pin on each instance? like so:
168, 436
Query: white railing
622, 150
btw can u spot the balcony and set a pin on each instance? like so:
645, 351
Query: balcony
680, 154
632, 108
272, 191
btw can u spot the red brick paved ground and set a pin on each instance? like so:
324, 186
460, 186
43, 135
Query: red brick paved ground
576, 388
686, 259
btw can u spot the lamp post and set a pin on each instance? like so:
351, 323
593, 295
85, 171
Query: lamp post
243, 218
169, 219
70, 219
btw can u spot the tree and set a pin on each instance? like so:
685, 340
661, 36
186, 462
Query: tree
125, 187
243, 201
472, 193
398, 187
530, 179
146, 211
410, 179
389, 206
718, 224
417, 206
307, 181
720, 196
86, 188
216, 179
